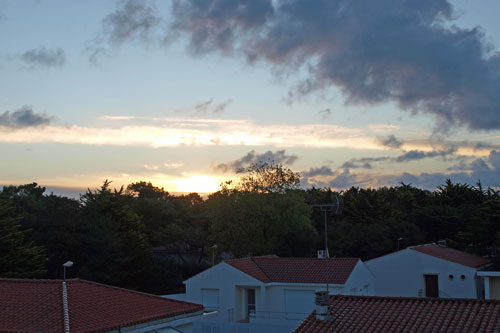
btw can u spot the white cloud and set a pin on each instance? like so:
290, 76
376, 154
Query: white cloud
174, 132
150, 167
383, 128
173, 165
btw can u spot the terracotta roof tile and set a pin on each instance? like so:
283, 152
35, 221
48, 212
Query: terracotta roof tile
404, 314
36, 306
296, 270
26, 305
447, 253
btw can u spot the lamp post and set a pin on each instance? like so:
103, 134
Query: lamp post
399, 239
213, 253
67, 264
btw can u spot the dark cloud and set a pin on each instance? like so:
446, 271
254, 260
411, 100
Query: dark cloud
321, 171
133, 19
325, 114
23, 117
413, 155
363, 163
96, 53
202, 108
136, 20
391, 141
220, 25
326, 177
307, 178
253, 157
345, 179
485, 170
44, 57
220, 108
374, 51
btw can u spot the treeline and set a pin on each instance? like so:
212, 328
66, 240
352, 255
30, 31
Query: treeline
141, 237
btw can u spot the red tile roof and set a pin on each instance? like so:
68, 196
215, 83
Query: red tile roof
30, 306
36, 306
394, 314
296, 270
447, 253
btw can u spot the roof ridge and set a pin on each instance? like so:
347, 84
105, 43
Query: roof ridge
65, 307
26, 280
256, 264
425, 299
285, 258
421, 245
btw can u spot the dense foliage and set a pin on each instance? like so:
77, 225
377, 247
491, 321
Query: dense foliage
144, 238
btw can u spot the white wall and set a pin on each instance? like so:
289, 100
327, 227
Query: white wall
276, 297
402, 274
224, 278
270, 298
361, 281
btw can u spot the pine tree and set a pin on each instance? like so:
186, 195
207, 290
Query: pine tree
18, 256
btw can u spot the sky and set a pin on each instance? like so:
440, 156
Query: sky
184, 93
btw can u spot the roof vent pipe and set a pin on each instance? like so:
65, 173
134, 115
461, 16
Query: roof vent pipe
322, 301
442, 243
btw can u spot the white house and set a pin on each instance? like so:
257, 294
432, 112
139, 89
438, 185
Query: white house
430, 270
276, 290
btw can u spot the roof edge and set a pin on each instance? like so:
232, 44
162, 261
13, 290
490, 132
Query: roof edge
133, 291
424, 299
263, 272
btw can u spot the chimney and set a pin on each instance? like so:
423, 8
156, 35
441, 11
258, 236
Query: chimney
322, 301
442, 243
322, 254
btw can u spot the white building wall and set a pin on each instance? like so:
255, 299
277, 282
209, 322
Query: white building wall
225, 279
361, 281
402, 274
270, 298
276, 296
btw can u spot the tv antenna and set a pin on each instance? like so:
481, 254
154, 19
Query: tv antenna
334, 207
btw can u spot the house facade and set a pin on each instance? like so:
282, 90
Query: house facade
274, 290
431, 270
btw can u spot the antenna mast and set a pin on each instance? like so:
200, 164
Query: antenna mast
335, 208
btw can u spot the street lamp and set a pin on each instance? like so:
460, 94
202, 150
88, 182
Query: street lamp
67, 264
213, 253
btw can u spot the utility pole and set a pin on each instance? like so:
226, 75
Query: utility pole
213, 253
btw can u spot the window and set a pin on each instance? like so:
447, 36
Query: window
210, 298
251, 302
431, 285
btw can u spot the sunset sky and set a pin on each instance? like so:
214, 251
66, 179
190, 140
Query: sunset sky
184, 93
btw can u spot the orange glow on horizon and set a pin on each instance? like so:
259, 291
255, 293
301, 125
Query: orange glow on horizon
198, 184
